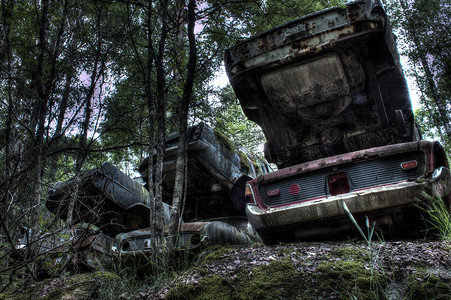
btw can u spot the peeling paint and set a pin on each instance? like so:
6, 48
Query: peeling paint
333, 71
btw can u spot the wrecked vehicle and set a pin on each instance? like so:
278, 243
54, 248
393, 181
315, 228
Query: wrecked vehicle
90, 252
217, 174
329, 93
326, 84
86, 250
106, 198
95, 253
118, 205
191, 237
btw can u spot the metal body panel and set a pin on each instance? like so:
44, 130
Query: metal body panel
192, 236
363, 201
363, 175
217, 173
107, 198
95, 254
323, 85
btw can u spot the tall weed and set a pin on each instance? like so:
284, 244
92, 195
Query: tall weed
437, 216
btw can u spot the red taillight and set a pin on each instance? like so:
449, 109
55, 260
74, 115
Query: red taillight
273, 193
408, 165
249, 198
338, 184
294, 189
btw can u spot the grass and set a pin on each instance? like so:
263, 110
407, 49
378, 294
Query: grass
375, 279
370, 229
437, 216
128, 285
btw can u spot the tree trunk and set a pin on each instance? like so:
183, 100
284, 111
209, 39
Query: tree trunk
96, 73
422, 54
441, 107
38, 119
158, 222
10, 153
178, 197
67, 89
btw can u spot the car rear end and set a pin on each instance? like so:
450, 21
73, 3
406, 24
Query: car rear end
305, 201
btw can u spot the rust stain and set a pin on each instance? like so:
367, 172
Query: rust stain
193, 226
354, 12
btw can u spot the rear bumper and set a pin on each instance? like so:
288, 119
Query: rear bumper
358, 202
323, 218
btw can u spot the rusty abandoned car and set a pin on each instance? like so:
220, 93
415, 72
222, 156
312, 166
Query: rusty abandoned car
330, 95
217, 174
386, 183
214, 210
107, 198
84, 250
191, 237
119, 205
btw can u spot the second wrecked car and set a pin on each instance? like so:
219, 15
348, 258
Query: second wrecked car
107, 198
191, 236
217, 174
119, 205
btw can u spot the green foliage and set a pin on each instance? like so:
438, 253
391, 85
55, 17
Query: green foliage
352, 253
213, 254
349, 277
370, 229
125, 283
437, 217
244, 18
277, 280
428, 119
345, 275
423, 30
223, 140
230, 119
82, 286
274, 12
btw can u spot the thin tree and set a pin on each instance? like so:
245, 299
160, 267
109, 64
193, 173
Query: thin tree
179, 188
423, 27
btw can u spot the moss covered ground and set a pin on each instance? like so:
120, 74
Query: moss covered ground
392, 270
351, 271
77, 287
